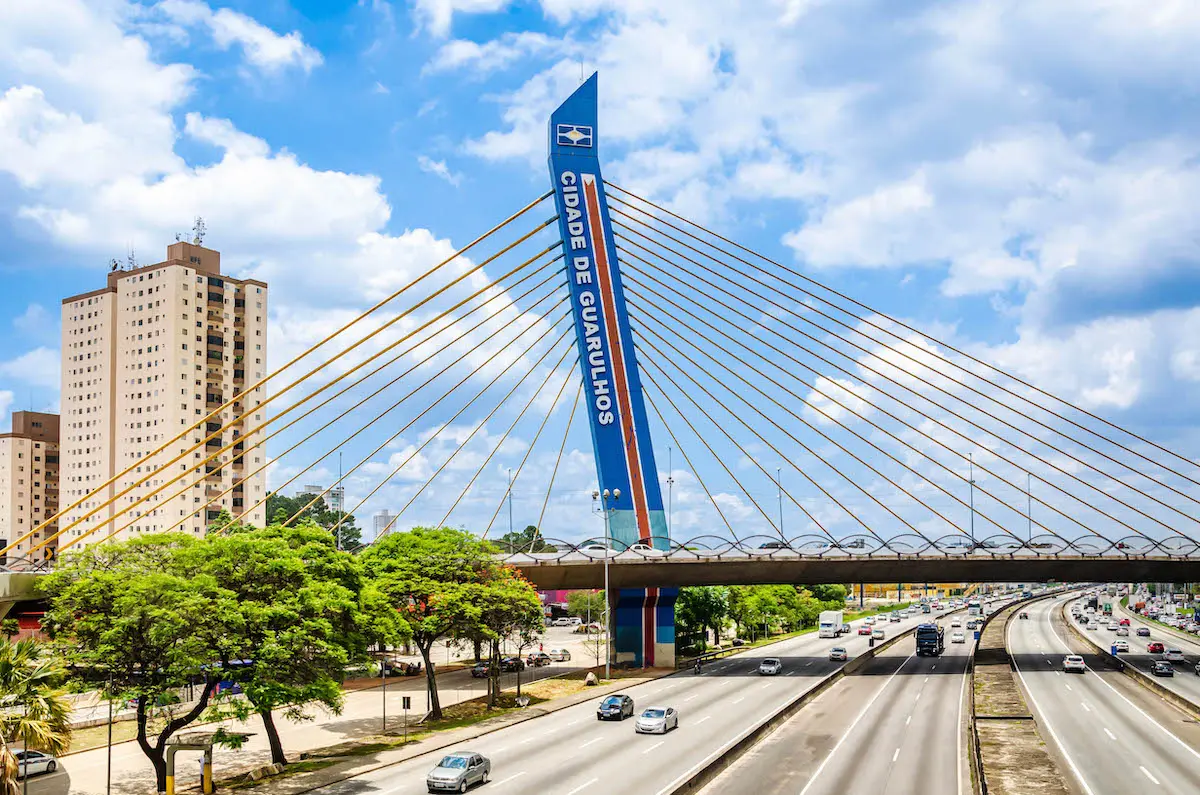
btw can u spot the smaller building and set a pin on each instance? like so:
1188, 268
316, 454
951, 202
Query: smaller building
29, 465
384, 522
335, 499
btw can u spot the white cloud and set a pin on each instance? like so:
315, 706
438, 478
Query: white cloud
263, 47
437, 15
838, 400
6, 401
222, 134
491, 56
439, 169
35, 321
38, 367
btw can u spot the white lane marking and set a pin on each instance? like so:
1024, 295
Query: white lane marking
583, 786
1147, 772
808, 663
867, 708
651, 748
918, 698
504, 781
739, 700
591, 742
689, 698
1045, 720
764, 684
927, 679
1111, 736
1086, 708
896, 755
572, 723
1069, 687
908, 720
526, 740
706, 717
500, 750
1117, 693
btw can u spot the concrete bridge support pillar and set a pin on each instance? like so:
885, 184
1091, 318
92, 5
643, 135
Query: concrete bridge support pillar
644, 627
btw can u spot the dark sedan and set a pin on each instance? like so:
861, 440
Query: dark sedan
1162, 668
615, 707
511, 664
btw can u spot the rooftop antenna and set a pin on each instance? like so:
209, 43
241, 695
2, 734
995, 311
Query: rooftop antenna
178, 237
132, 258
113, 265
198, 230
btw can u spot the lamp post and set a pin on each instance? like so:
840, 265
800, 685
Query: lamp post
1029, 505
971, 481
779, 493
670, 485
607, 495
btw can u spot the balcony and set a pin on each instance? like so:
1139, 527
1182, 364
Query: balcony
217, 340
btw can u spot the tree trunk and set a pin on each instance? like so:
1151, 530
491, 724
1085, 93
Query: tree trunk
156, 753
273, 737
435, 706
478, 648
494, 675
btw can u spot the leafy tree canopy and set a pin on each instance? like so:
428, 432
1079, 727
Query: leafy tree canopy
280, 509
527, 540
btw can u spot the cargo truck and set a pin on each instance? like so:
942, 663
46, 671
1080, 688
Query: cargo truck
829, 624
931, 640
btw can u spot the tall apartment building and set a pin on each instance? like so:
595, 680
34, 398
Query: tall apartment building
143, 358
383, 522
29, 466
335, 499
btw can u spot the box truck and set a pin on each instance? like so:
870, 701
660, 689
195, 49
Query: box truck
829, 624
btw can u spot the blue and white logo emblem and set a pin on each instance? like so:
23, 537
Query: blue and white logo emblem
574, 135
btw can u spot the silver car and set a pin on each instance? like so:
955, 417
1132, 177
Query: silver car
770, 667
458, 771
657, 720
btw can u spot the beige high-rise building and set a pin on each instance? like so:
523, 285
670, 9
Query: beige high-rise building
29, 466
154, 351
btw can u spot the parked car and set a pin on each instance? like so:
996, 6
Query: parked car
770, 666
1162, 668
838, 654
537, 659
560, 655
1073, 663
657, 720
32, 762
458, 771
511, 664
561, 622
615, 707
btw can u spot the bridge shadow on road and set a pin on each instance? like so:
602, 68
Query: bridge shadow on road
812, 665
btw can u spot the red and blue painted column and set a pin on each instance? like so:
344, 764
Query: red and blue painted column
644, 618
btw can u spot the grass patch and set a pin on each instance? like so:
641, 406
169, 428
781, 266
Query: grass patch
293, 769
469, 713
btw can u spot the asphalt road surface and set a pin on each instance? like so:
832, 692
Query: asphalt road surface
569, 752
1185, 682
893, 727
1111, 735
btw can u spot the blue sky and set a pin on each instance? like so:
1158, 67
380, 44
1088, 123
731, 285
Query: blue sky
1019, 179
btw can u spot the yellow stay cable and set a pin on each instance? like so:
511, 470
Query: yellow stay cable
379, 416
216, 412
557, 461
229, 446
537, 435
459, 413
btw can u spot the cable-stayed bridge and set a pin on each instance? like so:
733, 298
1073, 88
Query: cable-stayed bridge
821, 440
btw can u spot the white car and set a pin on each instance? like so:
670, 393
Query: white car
770, 667
869, 620
958, 637
1073, 663
1113, 626
838, 654
32, 762
561, 622
1122, 632
1121, 646
656, 720
956, 622
1174, 655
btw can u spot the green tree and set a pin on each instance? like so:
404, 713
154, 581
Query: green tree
34, 712
502, 606
280, 509
425, 575
128, 610
830, 593
702, 608
304, 617
527, 540
588, 605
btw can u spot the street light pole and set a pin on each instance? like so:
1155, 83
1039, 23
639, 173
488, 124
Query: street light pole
779, 491
1029, 504
615, 494
971, 459
670, 488
510, 524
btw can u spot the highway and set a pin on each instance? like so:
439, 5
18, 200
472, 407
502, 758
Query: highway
1185, 682
892, 727
1111, 735
569, 752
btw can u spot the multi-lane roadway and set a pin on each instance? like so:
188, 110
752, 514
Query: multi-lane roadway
569, 752
1110, 735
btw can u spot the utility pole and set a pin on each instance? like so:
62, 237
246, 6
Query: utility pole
670, 488
341, 503
1029, 504
606, 495
971, 481
510, 524
779, 492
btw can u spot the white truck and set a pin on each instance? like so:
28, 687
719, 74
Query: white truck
829, 624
